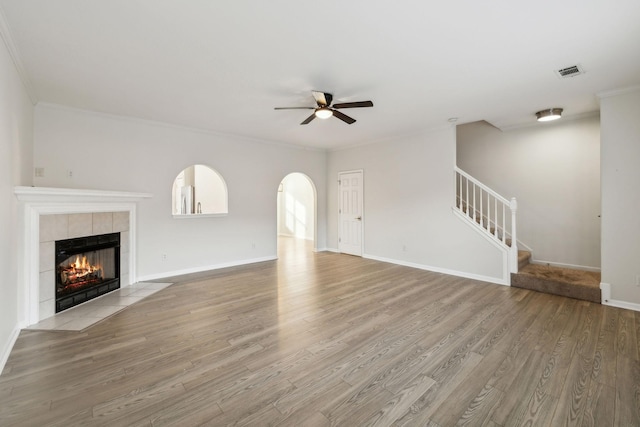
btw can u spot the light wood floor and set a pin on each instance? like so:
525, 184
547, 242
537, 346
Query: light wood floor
328, 339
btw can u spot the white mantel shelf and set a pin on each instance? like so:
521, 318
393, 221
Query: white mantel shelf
52, 194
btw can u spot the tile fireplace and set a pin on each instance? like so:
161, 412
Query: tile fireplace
58, 214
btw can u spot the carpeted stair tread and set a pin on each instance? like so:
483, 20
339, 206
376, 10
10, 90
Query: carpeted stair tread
579, 284
523, 258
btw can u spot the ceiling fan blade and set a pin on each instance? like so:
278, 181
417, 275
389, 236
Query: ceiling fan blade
348, 120
354, 104
323, 99
329, 98
308, 119
294, 108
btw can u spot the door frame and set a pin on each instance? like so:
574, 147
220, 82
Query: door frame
340, 173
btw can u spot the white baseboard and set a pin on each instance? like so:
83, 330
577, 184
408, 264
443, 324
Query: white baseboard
200, 269
494, 280
332, 250
605, 293
605, 289
623, 304
561, 265
6, 351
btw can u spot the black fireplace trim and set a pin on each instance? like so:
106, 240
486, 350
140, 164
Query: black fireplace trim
69, 247
71, 300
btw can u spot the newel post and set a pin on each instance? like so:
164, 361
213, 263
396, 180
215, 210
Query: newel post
513, 252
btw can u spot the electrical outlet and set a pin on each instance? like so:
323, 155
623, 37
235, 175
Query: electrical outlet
163, 257
253, 245
638, 280
404, 248
70, 174
39, 172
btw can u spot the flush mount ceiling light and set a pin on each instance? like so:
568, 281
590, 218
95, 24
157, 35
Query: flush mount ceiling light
549, 114
323, 113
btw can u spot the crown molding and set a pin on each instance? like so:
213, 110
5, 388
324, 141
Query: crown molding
617, 92
5, 34
395, 138
157, 123
564, 119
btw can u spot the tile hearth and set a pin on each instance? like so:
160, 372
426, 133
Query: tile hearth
91, 312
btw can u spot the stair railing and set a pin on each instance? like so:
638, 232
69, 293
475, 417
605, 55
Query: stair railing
489, 212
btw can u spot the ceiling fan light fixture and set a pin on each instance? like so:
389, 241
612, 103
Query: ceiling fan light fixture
549, 114
324, 109
323, 113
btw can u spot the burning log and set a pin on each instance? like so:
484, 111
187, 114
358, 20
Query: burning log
79, 271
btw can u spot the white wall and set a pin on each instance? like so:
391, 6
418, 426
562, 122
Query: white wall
113, 153
553, 170
296, 207
408, 199
620, 153
16, 145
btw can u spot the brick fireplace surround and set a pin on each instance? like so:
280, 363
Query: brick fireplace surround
50, 214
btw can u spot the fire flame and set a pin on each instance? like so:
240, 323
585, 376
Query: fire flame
78, 270
84, 264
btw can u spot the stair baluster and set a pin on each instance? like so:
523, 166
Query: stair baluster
497, 224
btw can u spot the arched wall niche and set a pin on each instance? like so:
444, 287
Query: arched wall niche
198, 191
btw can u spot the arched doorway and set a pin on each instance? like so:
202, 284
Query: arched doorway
296, 216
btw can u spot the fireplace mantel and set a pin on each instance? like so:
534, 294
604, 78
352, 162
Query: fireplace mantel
73, 195
38, 201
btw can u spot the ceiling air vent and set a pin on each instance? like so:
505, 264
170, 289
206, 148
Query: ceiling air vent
572, 71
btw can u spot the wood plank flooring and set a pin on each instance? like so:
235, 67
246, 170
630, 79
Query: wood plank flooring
319, 339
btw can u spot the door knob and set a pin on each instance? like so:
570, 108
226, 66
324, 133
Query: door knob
359, 218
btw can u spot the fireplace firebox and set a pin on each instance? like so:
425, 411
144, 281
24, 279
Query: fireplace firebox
86, 268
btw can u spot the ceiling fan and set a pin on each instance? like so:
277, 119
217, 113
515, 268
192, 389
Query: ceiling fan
324, 110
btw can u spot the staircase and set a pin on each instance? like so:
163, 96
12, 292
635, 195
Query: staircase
578, 284
523, 259
491, 214
495, 217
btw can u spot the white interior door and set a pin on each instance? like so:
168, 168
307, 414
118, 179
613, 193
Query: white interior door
350, 226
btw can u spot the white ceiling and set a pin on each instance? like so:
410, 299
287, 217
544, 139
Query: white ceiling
224, 65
